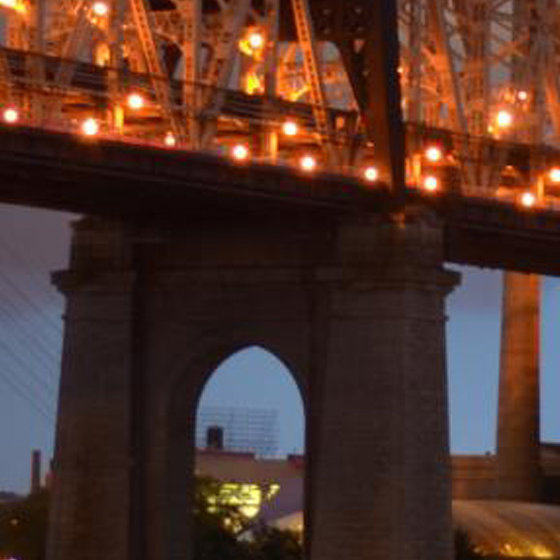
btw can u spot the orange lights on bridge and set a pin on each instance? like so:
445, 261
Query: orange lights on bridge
290, 128
528, 199
253, 43
308, 163
504, 119
371, 174
135, 101
170, 141
430, 183
90, 127
256, 40
10, 115
240, 152
16, 5
100, 9
554, 175
433, 154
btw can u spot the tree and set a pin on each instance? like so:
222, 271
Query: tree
23, 529
214, 536
275, 544
218, 525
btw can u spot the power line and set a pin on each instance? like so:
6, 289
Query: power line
37, 347
30, 302
38, 379
16, 359
38, 279
25, 396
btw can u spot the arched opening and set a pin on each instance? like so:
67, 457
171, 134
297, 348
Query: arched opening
250, 439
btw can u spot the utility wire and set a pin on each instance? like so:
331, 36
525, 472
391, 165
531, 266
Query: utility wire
14, 316
21, 392
16, 359
38, 279
32, 345
22, 296
30, 352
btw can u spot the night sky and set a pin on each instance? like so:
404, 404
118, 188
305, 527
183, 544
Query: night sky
33, 243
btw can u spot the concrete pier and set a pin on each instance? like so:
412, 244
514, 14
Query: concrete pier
355, 309
518, 470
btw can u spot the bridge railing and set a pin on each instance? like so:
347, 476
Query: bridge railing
100, 102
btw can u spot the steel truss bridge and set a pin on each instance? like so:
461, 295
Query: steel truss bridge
298, 84
286, 110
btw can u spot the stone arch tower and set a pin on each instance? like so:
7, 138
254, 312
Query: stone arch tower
356, 310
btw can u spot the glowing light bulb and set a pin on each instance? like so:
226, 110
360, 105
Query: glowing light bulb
522, 95
240, 152
170, 140
504, 119
371, 174
90, 127
528, 199
100, 9
308, 163
256, 40
17, 5
10, 115
290, 128
135, 101
554, 175
430, 183
433, 154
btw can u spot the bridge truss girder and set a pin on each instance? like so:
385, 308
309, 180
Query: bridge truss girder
462, 62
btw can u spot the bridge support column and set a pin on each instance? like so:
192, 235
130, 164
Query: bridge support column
356, 309
90, 504
518, 460
380, 481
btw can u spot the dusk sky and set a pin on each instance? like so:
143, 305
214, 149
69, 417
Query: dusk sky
32, 243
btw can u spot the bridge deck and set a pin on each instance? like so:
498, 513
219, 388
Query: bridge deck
64, 172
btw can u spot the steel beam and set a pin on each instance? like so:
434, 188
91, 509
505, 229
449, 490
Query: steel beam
372, 66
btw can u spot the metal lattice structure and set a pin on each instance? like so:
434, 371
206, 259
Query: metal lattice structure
290, 81
249, 430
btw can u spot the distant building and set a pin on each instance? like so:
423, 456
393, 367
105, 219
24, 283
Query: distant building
272, 489
243, 430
